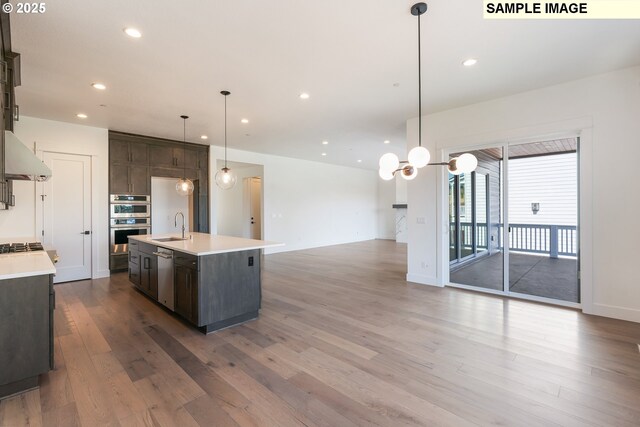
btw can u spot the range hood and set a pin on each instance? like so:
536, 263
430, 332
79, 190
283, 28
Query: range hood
20, 162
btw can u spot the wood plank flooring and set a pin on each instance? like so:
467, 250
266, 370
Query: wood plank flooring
342, 340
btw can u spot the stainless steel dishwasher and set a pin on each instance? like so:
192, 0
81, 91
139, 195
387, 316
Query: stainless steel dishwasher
165, 277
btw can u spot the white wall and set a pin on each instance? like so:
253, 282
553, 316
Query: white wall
48, 135
165, 203
386, 214
309, 204
604, 111
230, 206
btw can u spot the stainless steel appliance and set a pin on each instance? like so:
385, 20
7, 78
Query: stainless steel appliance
165, 277
130, 215
130, 210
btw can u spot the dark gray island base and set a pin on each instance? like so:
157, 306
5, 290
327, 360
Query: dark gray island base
210, 291
26, 332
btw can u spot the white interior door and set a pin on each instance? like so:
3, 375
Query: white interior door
67, 214
255, 200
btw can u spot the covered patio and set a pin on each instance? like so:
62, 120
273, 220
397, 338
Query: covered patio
537, 275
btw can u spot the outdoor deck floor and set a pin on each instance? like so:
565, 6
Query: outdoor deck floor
528, 274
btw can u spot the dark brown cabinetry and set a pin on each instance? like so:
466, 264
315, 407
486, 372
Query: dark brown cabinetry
149, 274
186, 287
128, 152
9, 79
134, 159
134, 263
126, 179
209, 291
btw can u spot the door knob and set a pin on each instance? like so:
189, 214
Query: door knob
86, 232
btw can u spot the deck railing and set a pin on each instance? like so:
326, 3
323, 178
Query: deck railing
554, 240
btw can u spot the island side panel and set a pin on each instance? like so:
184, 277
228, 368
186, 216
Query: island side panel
230, 287
25, 332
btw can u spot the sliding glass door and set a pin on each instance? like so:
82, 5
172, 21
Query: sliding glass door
534, 186
474, 223
543, 219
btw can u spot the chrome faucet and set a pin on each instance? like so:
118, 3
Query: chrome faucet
175, 222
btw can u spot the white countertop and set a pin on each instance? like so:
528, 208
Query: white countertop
25, 264
206, 244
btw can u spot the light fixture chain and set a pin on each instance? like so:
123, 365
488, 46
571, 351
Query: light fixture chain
225, 131
184, 148
419, 87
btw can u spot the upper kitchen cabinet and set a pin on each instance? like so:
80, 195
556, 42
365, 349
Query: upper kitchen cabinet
131, 152
128, 179
164, 156
176, 156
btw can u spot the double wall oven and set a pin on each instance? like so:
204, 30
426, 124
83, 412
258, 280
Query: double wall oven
130, 215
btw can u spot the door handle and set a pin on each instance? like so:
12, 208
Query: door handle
161, 255
86, 232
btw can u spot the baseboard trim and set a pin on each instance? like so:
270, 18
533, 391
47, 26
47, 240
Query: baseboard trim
423, 280
616, 312
100, 274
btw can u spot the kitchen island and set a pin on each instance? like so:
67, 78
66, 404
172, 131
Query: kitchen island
211, 281
26, 320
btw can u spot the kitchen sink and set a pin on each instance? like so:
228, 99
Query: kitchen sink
170, 239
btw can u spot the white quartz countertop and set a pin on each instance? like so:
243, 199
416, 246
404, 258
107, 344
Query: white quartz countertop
25, 264
206, 244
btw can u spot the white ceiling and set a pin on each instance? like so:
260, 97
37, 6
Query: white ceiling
347, 54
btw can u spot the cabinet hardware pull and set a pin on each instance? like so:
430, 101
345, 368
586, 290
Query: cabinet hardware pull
16, 115
5, 72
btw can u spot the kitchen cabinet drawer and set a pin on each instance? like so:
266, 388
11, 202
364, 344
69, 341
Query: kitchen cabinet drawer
147, 247
134, 274
134, 256
187, 260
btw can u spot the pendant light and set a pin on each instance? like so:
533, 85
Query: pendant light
184, 186
419, 156
225, 178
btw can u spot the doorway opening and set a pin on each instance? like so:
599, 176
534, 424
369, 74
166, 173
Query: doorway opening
252, 209
514, 222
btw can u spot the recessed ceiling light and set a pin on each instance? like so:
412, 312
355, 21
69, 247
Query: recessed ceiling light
245, 121
81, 116
304, 95
359, 161
325, 142
204, 137
387, 141
132, 32
470, 62
324, 154
99, 86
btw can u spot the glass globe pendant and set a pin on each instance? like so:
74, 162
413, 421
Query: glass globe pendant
184, 186
225, 179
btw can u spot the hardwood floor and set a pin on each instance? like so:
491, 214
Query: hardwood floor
342, 340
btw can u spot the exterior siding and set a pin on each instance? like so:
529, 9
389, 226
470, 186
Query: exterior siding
548, 180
